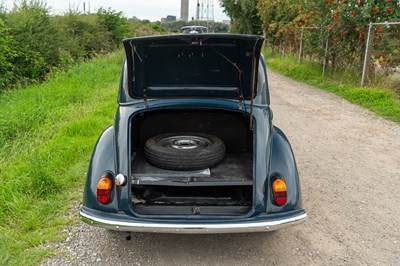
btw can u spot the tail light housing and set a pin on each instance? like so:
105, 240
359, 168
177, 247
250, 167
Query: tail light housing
104, 187
280, 191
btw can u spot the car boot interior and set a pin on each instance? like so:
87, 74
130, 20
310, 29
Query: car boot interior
222, 189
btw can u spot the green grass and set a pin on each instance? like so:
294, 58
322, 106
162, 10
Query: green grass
381, 101
47, 133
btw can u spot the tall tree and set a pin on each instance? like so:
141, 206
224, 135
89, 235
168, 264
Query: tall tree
243, 14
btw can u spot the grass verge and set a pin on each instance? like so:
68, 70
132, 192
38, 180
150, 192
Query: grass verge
381, 101
47, 133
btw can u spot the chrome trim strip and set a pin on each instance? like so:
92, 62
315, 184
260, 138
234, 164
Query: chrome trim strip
211, 228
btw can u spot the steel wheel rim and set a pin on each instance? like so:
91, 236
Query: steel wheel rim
185, 142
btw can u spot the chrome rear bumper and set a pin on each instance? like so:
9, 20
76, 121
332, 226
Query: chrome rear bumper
194, 228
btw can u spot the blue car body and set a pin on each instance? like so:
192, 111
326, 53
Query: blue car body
186, 82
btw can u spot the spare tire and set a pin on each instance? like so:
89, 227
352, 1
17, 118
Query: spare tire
184, 151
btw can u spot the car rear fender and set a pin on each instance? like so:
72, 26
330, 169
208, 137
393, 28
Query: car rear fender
102, 161
282, 163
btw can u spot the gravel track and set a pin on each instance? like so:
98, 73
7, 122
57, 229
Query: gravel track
349, 164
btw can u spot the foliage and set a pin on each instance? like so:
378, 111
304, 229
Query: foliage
86, 37
243, 14
6, 56
348, 27
114, 22
144, 27
34, 43
279, 18
47, 133
176, 26
35, 40
383, 102
343, 24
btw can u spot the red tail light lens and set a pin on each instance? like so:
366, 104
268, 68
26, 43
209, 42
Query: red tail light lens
104, 190
280, 192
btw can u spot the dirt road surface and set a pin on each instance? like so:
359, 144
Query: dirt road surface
349, 164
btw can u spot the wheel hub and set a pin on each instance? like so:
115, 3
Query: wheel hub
185, 142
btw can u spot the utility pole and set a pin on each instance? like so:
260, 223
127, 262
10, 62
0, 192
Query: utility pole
207, 12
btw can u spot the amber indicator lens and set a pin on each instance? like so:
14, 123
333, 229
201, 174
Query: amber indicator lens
280, 192
104, 190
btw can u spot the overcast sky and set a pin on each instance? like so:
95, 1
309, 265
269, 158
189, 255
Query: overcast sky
152, 10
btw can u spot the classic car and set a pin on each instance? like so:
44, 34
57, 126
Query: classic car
193, 148
194, 29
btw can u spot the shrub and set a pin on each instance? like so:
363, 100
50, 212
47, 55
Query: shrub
114, 22
35, 39
86, 36
34, 43
6, 56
